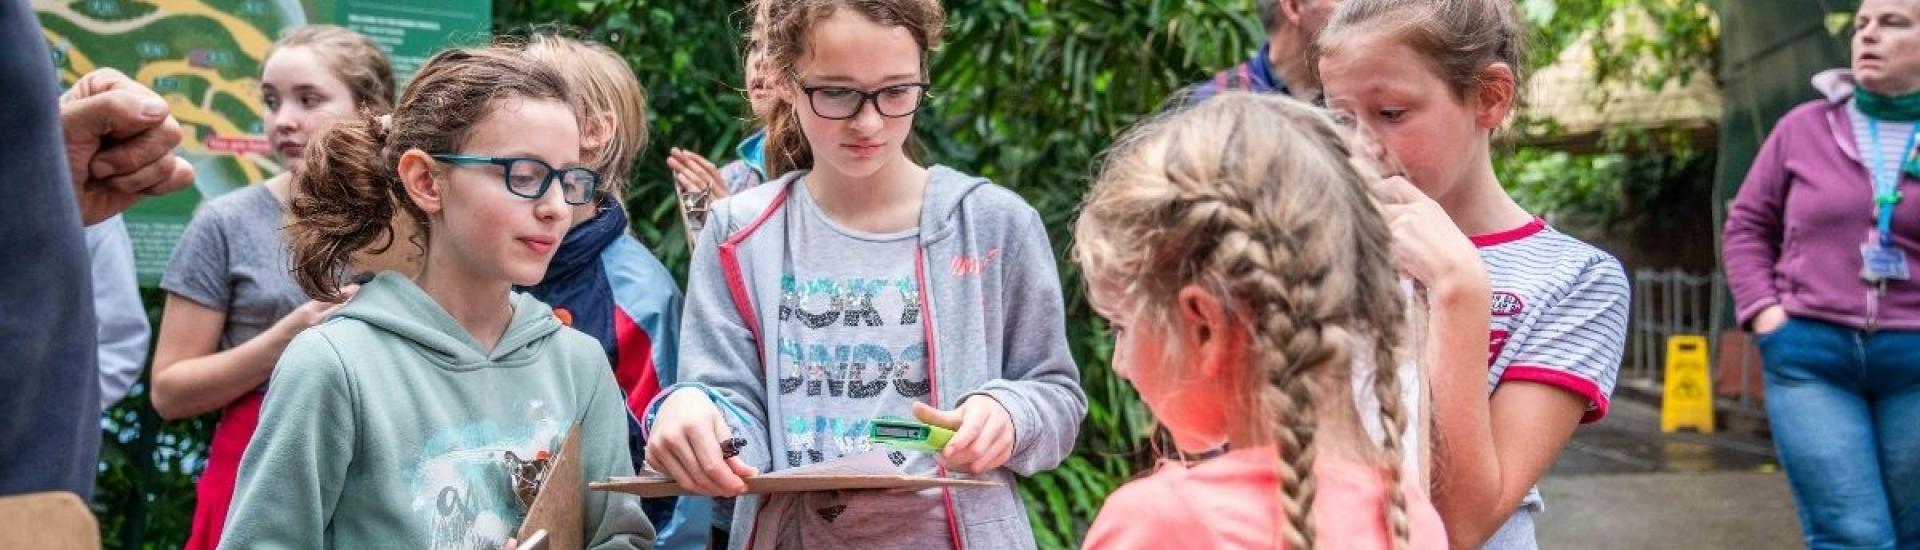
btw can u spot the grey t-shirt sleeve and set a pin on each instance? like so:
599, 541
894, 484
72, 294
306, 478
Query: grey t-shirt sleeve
198, 268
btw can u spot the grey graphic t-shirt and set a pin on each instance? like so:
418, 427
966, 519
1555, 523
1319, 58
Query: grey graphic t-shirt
851, 348
233, 258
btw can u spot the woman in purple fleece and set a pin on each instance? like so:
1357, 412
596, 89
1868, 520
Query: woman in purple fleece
1819, 251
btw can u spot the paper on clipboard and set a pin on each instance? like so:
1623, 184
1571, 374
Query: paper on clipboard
870, 463
868, 470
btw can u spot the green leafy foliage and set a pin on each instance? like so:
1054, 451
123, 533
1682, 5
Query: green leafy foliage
144, 494
1685, 37
1650, 43
1615, 194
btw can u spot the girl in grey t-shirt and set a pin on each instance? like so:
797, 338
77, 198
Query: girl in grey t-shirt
232, 305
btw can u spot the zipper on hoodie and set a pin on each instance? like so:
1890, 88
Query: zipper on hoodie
730, 267
933, 378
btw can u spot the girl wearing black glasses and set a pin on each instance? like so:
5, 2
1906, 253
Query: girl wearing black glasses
862, 284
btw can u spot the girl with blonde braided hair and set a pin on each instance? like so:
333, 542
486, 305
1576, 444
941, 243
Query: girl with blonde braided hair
1246, 274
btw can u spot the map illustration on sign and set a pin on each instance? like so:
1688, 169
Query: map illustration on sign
204, 57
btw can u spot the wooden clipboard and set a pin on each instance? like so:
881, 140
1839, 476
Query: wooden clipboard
869, 470
694, 209
558, 507
659, 486
53, 521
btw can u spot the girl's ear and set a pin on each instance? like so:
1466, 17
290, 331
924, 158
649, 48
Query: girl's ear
599, 131
1207, 331
1499, 85
417, 176
1290, 10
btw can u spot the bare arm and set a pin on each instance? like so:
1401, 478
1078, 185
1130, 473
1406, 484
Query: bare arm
192, 376
1484, 470
1487, 452
1492, 451
1466, 463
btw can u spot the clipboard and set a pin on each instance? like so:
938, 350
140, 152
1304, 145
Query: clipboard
557, 507
869, 470
55, 521
693, 211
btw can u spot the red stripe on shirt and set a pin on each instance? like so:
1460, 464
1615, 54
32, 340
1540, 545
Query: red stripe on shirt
1597, 402
1510, 235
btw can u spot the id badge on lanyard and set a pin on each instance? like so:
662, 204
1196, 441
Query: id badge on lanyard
1880, 260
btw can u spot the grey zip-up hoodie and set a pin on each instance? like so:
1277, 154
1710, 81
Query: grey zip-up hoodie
998, 328
387, 426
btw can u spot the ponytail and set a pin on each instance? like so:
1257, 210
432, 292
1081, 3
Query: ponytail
345, 202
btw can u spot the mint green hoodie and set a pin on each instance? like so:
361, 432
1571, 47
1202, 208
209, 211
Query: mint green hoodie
386, 426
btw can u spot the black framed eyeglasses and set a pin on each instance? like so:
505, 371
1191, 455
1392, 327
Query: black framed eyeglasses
530, 177
841, 103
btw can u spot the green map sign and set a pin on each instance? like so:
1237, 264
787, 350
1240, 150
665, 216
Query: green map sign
204, 56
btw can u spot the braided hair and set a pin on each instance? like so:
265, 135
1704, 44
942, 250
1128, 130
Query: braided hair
1261, 200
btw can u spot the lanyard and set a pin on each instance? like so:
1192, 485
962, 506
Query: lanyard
1886, 183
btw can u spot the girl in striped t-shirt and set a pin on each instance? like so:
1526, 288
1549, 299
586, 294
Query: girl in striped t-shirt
1429, 82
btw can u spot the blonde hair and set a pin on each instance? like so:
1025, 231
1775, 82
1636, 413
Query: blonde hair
602, 83
1261, 200
352, 58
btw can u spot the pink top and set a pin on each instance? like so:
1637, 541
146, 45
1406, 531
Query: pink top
1233, 501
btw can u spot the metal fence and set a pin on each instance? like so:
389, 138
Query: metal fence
1670, 302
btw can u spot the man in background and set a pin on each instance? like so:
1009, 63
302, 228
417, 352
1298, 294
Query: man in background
1281, 66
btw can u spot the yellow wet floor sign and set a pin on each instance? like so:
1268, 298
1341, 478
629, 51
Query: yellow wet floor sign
1688, 399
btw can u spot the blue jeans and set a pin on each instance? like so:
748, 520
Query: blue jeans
1845, 411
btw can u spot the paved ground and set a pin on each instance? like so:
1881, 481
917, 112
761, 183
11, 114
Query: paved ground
1622, 484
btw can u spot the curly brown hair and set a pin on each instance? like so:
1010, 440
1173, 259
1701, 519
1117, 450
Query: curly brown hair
350, 194
787, 29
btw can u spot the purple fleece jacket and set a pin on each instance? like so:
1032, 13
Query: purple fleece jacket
1793, 233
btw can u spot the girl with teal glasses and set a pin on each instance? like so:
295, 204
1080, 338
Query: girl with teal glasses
402, 420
